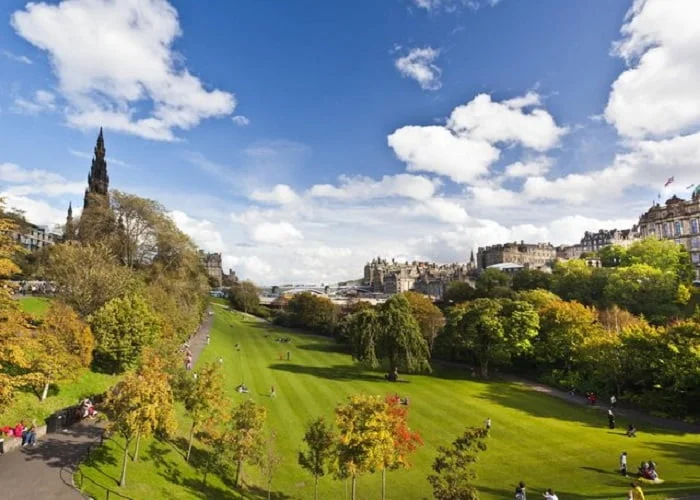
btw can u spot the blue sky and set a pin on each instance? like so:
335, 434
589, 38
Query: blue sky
301, 138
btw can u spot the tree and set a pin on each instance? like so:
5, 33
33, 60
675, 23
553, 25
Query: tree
319, 439
389, 333
202, 398
246, 437
538, 298
612, 255
244, 297
405, 440
454, 475
123, 328
270, 461
493, 283
664, 255
643, 289
458, 291
492, 329
429, 317
364, 437
310, 311
63, 346
137, 405
88, 276
531, 279
564, 326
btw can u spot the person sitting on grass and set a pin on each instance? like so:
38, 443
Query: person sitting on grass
243, 389
550, 495
631, 431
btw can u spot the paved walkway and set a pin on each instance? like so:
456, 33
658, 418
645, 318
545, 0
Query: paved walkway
635, 416
45, 472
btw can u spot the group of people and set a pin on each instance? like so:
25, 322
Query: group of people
26, 434
521, 493
647, 470
86, 409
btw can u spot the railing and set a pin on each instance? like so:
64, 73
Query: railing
79, 479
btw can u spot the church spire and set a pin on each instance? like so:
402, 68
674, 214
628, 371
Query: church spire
69, 231
98, 180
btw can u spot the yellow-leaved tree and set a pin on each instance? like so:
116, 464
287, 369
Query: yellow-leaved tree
365, 437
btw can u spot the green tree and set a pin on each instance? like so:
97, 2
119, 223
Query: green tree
458, 292
202, 397
88, 276
123, 328
643, 289
531, 279
246, 440
310, 311
665, 255
429, 317
390, 334
493, 283
244, 297
454, 476
612, 255
364, 437
319, 440
270, 461
538, 298
492, 330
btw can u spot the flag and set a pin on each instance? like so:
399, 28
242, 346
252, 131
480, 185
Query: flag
690, 187
669, 181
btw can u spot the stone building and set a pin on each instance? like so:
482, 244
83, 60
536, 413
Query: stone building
212, 264
677, 220
32, 237
529, 255
568, 252
592, 242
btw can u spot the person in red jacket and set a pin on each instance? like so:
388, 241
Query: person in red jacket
19, 429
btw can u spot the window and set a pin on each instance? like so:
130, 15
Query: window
695, 242
694, 226
677, 228
695, 257
664, 228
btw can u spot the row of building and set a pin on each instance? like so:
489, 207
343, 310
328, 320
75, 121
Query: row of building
677, 220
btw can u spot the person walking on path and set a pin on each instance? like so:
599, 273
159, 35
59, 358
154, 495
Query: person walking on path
623, 463
611, 419
613, 401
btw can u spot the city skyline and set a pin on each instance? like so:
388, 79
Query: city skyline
302, 142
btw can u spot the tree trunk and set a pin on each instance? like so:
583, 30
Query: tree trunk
383, 483
484, 367
269, 488
136, 450
122, 481
239, 473
189, 445
353, 488
315, 487
46, 391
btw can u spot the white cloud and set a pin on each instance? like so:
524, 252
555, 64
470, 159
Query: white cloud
17, 58
9, 172
419, 64
281, 194
131, 61
437, 149
203, 232
36, 211
276, 233
442, 209
42, 101
488, 196
507, 122
658, 94
365, 188
240, 120
111, 160
453, 5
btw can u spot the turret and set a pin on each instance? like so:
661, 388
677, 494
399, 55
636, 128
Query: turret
98, 180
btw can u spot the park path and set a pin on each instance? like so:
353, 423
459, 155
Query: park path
632, 415
45, 472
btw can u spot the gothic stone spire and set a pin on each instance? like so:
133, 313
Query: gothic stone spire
98, 180
69, 231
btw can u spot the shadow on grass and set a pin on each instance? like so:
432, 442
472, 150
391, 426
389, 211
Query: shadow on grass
326, 347
100, 456
684, 453
337, 372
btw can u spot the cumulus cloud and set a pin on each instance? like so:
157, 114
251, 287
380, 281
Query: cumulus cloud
281, 194
203, 232
130, 63
658, 94
419, 65
536, 167
364, 188
24, 182
36, 211
465, 148
444, 210
276, 233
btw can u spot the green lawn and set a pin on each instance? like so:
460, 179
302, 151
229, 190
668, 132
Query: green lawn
536, 438
26, 405
35, 305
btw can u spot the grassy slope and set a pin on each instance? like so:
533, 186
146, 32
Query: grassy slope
26, 405
536, 438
